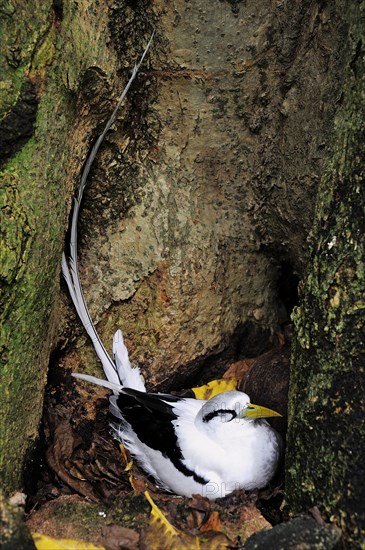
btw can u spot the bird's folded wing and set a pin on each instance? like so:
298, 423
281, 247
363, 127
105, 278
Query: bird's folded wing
152, 419
157, 402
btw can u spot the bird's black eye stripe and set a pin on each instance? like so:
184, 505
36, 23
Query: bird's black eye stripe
219, 412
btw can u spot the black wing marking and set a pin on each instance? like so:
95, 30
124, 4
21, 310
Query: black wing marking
151, 419
154, 401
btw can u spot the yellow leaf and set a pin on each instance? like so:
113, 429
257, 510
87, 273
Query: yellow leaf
215, 387
159, 516
127, 461
42, 542
161, 534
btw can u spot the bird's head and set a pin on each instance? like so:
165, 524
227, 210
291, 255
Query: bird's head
232, 405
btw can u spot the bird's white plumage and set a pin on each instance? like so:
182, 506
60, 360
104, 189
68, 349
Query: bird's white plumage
233, 453
189, 446
128, 375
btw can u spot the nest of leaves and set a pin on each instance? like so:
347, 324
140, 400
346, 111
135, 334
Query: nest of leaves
85, 487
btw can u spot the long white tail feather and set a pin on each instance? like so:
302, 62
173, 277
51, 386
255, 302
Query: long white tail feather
77, 297
71, 274
128, 375
117, 388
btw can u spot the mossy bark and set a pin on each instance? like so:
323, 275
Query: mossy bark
326, 439
33, 158
42, 66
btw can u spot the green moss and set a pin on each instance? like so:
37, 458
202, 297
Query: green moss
15, 230
33, 216
28, 295
131, 511
86, 517
45, 52
22, 29
10, 86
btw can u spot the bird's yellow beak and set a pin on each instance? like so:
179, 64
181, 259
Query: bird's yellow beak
255, 411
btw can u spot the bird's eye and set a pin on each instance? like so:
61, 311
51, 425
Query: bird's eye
232, 415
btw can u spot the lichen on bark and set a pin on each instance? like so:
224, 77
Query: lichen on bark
326, 436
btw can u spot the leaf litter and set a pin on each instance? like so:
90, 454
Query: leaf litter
81, 457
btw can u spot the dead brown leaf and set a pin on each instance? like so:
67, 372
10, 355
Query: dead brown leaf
116, 537
197, 502
64, 442
239, 369
212, 524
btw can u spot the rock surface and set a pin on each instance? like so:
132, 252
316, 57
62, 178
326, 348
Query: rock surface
302, 533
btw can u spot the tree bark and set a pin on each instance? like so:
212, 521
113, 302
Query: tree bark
201, 199
195, 219
33, 158
326, 438
42, 144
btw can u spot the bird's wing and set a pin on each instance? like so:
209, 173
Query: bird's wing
154, 402
152, 417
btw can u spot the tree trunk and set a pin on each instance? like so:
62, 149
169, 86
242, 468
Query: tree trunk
43, 141
199, 204
326, 439
33, 134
